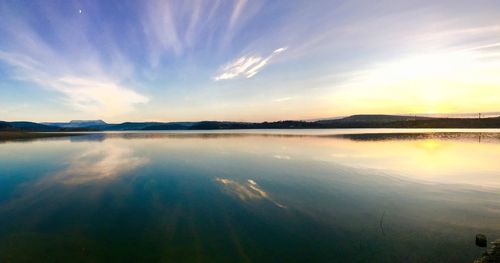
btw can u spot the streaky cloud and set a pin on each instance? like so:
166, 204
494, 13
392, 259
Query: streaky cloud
91, 95
88, 79
246, 66
283, 99
99, 97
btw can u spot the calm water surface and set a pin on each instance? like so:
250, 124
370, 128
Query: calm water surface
252, 196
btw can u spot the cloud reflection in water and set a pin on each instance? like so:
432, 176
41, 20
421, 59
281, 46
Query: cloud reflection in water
282, 157
107, 161
249, 190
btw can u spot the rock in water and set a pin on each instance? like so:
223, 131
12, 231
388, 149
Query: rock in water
481, 240
492, 255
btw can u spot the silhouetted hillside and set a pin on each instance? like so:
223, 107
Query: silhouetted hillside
169, 126
76, 123
355, 121
126, 126
375, 118
27, 126
391, 121
5, 126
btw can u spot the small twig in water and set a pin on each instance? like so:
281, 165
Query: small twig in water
381, 221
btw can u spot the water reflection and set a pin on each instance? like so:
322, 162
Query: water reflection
92, 137
104, 162
282, 157
246, 191
146, 197
489, 137
434, 158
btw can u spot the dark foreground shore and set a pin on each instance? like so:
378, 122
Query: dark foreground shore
15, 135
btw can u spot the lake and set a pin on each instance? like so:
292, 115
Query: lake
250, 196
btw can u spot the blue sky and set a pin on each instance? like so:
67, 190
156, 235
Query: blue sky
248, 60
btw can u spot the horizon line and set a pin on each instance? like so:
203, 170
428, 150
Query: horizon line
467, 115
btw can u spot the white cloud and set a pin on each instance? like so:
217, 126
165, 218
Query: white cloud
238, 7
92, 95
282, 99
19, 60
279, 50
242, 12
160, 30
282, 157
105, 98
88, 77
246, 66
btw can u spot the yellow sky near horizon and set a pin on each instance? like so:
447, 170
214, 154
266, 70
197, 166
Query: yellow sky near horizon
444, 82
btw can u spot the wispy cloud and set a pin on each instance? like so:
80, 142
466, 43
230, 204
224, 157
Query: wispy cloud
88, 79
282, 157
238, 8
92, 95
242, 12
283, 99
98, 97
9, 110
160, 29
179, 28
246, 66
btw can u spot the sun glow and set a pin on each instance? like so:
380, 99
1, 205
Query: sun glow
430, 145
459, 81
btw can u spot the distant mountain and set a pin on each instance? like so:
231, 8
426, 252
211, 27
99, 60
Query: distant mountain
169, 126
76, 123
126, 126
5, 126
324, 119
355, 121
26, 126
379, 118
397, 121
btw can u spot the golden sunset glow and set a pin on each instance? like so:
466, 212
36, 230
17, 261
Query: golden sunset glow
445, 82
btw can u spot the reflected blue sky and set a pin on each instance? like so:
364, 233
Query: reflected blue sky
149, 197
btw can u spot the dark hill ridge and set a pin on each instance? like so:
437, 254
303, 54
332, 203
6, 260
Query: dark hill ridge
378, 118
126, 126
355, 121
27, 126
76, 123
396, 121
170, 126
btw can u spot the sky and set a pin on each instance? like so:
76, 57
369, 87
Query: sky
246, 60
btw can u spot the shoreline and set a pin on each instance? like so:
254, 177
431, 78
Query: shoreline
24, 135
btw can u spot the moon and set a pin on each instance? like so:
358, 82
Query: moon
79, 11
